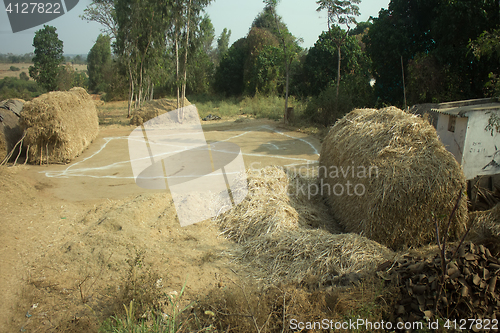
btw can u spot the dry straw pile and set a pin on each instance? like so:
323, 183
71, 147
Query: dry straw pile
153, 109
407, 177
291, 236
486, 229
59, 125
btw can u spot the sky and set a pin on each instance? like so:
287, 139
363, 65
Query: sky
79, 36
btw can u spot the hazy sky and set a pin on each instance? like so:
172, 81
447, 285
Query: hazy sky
79, 36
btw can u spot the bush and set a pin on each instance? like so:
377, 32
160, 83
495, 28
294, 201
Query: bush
11, 87
14, 69
354, 92
117, 85
23, 76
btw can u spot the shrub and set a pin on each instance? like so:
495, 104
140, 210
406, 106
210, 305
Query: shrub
14, 68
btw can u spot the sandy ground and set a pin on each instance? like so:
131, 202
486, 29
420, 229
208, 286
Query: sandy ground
72, 235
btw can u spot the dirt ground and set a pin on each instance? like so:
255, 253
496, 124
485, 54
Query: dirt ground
73, 235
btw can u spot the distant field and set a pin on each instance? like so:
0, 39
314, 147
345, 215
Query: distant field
6, 72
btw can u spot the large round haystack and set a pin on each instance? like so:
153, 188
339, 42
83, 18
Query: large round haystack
386, 175
59, 125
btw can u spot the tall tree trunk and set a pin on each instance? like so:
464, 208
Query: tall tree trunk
188, 18
152, 91
338, 71
131, 92
177, 71
287, 67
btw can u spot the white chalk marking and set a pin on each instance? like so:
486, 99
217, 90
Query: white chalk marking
71, 171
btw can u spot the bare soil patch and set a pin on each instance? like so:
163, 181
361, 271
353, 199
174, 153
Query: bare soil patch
75, 237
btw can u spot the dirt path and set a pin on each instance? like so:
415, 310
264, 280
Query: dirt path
68, 231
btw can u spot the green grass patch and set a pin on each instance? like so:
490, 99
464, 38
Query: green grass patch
271, 107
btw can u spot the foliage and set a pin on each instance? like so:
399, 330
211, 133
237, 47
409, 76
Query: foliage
488, 45
340, 11
229, 74
68, 78
11, 87
258, 39
321, 63
48, 56
14, 68
117, 83
436, 32
99, 64
15, 59
200, 70
354, 92
222, 45
76, 60
103, 12
24, 76
430, 82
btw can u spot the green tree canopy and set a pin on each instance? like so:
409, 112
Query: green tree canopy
99, 61
436, 32
321, 63
222, 44
229, 74
48, 57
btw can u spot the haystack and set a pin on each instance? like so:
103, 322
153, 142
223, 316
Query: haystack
485, 229
290, 235
153, 109
59, 125
386, 176
10, 129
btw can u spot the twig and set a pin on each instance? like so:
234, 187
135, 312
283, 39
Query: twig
9, 155
27, 151
249, 307
19, 153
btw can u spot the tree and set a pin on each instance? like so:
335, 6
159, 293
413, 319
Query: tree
99, 60
341, 12
222, 45
271, 4
23, 76
200, 69
103, 12
229, 74
321, 63
141, 34
48, 57
488, 45
433, 32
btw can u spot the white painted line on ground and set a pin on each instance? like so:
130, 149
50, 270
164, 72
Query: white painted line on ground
71, 171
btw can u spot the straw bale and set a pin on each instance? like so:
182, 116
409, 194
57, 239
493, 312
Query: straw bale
302, 254
485, 229
62, 123
289, 234
154, 108
269, 208
406, 177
